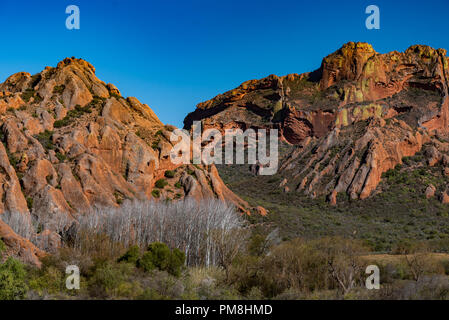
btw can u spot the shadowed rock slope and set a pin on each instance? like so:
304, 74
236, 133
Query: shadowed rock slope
71, 142
350, 121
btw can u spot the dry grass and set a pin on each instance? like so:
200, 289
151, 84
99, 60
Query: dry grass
397, 258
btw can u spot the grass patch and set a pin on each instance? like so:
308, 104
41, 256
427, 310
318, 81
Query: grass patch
59, 89
72, 115
27, 95
156, 193
169, 174
161, 183
45, 139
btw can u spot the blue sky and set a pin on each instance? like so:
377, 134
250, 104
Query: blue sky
175, 54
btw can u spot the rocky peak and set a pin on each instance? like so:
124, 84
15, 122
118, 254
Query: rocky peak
71, 142
351, 120
345, 64
74, 62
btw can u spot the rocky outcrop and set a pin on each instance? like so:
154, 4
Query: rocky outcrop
72, 142
352, 84
351, 120
19, 247
352, 159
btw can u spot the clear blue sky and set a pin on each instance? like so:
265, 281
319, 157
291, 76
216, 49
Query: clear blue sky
175, 54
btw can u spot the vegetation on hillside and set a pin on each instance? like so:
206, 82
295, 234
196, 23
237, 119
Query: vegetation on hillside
397, 211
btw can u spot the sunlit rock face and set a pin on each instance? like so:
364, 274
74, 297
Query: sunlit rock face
71, 142
351, 120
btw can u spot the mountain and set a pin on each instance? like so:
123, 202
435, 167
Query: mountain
71, 142
350, 121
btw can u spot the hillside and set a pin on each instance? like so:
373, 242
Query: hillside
353, 119
71, 142
365, 149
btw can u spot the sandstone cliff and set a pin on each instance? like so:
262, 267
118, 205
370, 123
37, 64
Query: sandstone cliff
71, 142
351, 120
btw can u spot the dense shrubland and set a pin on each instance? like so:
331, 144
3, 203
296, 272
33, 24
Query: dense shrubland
189, 250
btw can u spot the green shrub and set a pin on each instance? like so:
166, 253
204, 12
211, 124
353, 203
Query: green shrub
72, 114
115, 95
131, 256
48, 280
12, 280
27, 95
61, 157
159, 256
178, 185
29, 202
37, 99
2, 247
161, 183
12, 159
45, 139
156, 193
155, 144
118, 197
176, 262
61, 123
59, 89
108, 279
169, 174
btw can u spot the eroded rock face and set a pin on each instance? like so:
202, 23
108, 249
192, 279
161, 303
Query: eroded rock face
354, 83
72, 142
20, 247
351, 120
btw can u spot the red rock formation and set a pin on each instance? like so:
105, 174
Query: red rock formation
20, 247
337, 94
353, 119
71, 142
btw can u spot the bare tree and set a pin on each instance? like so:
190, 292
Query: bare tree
188, 225
228, 243
343, 260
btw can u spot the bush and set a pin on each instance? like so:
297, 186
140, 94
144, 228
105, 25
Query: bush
61, 157
169, 174
47, 280
299, 265
161, 183
156, 193
61, 123
155, 144
12, 280
109, 279
29, 202
27, 95
159, 256
72, 114
45, 139
131, 256
2, 247
59, 89
177, 260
